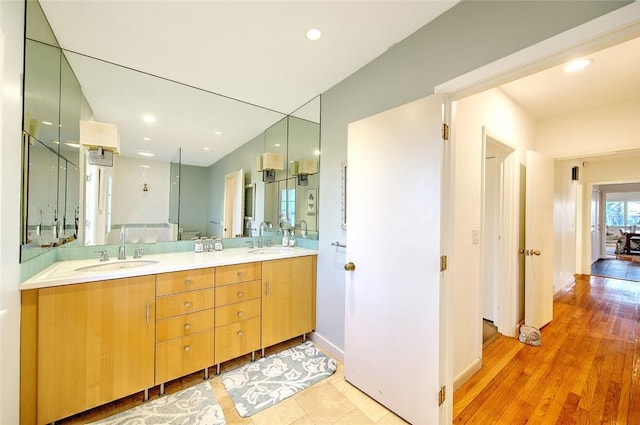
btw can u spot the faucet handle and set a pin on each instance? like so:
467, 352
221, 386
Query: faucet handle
137, 253
104, 256
250, 242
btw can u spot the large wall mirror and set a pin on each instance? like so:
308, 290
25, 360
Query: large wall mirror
179, 193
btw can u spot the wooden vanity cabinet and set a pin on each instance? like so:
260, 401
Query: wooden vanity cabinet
184, 323
94, 344
238, 308
288, 298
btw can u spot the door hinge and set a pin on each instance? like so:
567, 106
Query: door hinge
443, 263
445, 131
442, 395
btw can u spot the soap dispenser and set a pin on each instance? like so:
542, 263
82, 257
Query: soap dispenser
285, 237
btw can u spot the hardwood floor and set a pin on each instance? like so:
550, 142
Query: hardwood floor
587, 370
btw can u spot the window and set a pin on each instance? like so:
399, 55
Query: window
622, 213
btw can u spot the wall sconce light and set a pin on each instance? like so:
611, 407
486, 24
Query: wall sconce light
102, 140
302, 169
268, 163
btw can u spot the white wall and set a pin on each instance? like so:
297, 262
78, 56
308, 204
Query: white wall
130, 203
11, 27
609, 128
512, 126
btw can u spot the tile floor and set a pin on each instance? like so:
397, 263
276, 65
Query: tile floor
617, 269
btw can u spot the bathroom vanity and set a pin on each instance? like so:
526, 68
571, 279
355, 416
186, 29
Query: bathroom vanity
95, 332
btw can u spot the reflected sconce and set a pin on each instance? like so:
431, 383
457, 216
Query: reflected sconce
302, 169
102, 140
268, 163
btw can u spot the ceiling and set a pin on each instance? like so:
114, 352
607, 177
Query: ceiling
257, 52
253, 51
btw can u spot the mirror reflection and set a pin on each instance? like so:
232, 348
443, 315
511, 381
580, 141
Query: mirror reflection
184, 190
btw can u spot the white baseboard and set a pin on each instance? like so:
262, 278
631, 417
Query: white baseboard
467, 374
328, 346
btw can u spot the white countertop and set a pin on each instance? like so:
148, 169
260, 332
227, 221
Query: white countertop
66, 273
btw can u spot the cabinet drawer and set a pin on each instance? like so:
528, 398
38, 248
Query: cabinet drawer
187, 324
232, 294
232, 313
186, 302
182, 356
188, 280
237, 339
236, 273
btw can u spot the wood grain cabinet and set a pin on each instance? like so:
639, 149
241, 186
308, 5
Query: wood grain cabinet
237, 313
184, 323
94, 344
288, 298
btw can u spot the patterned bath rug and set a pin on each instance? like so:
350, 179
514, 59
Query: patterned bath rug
271, 379
193, 405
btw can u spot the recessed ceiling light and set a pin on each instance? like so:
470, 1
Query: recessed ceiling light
577, 65
316, 152
145, 153
149, 119
277, 145
206, 148
146, 139
55, 142
314, 34
47, 123
217, 132
145, 166
72, 144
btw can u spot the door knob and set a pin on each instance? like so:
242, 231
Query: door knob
535, 252
350, 266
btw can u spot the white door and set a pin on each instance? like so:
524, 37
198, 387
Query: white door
538, 251
392, 298
233, 203
595, 225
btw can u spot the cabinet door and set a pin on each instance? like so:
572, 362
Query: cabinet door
288, 298
95, 344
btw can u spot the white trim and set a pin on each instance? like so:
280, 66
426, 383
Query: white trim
612, 28
328, 346
466, 374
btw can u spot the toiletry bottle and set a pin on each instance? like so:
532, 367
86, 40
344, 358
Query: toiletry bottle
285, 238
292, 239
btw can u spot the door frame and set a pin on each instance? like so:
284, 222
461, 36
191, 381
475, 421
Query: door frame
606, 30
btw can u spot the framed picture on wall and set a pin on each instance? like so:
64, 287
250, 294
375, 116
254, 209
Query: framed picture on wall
311, 201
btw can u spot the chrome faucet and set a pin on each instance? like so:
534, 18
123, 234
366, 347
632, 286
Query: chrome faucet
262, 225
123, 238
303, 230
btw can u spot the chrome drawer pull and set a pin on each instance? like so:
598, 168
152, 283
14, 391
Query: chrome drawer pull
187, 304
239, 333
239, 313
240, 294
187, 282
187, 348
239, 275
187, 326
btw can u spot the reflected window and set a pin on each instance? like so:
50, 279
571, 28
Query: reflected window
288, 204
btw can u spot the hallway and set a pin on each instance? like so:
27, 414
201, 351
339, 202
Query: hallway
586, 371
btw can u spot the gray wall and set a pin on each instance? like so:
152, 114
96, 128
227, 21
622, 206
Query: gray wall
467, 36
194, 198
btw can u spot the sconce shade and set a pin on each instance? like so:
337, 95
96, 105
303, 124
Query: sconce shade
95, 134
305, 166
272, 161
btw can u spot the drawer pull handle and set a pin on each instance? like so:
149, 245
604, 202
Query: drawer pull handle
239, 275
239, 333
187, 326
240, 294
187, 304
239, 313
187, 348
187, 282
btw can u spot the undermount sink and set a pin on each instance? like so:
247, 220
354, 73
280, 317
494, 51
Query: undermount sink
117, 265
272, 250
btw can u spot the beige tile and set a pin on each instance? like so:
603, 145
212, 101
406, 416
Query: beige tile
391, 419
325, 404
374, 410
305, 420
284, 413
357, 417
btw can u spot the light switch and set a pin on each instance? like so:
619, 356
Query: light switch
475, 236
